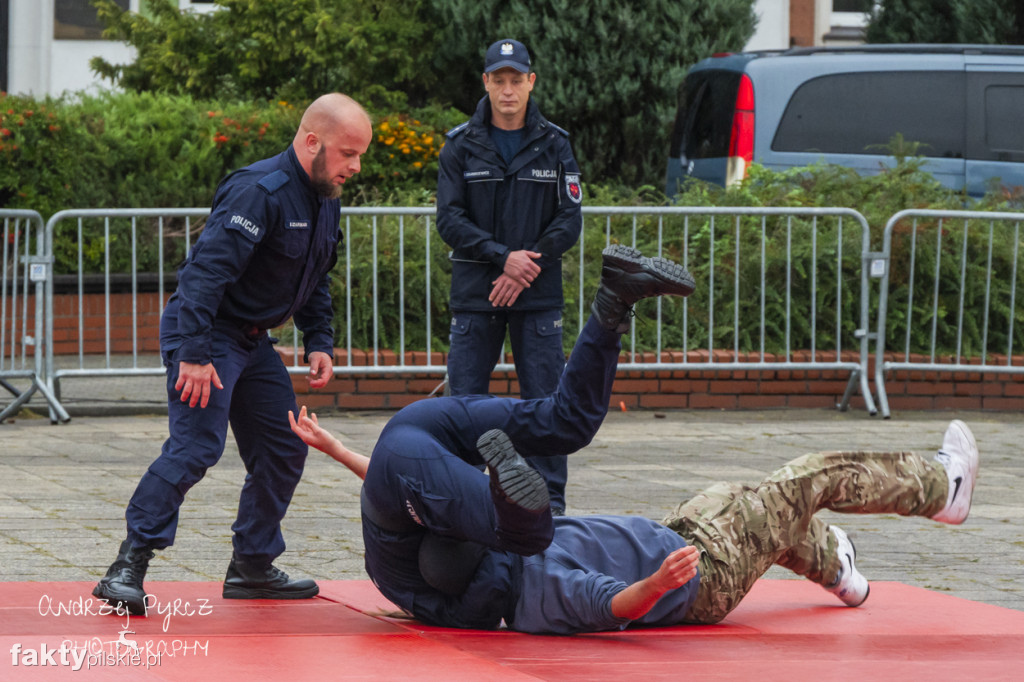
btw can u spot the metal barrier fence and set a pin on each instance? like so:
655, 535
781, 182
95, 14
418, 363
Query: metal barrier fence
112, 242
964, 260
23, 267
392, 287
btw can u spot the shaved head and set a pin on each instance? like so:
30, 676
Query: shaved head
333, 133
330, 112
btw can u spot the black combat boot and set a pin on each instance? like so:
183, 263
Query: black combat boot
628, 276
122, 587
254, 580
519, 482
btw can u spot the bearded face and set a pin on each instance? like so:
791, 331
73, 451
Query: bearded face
322, 180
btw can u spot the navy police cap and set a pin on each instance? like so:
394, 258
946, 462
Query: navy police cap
507, 53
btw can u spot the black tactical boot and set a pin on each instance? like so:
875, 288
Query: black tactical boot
518, 481
122, 587
627, 277
250, 580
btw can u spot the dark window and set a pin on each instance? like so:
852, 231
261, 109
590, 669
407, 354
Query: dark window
4, 42
852, 5
1003, 130
704, 121
77, 20
860, 113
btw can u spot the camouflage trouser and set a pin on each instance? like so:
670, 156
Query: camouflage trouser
742, 530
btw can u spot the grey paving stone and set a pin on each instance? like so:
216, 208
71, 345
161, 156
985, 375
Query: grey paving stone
63, 489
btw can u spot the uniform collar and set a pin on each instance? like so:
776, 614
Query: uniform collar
536, 124
298, 170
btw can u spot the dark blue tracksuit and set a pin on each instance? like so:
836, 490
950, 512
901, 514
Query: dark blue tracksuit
422, 476
487, 208
263, 257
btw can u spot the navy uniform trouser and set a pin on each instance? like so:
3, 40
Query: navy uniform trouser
423, 467
255, 400
477, 339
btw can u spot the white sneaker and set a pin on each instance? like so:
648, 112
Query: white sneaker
959, 456
851, 586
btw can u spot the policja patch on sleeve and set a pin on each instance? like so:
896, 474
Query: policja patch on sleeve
246, 226
572, 187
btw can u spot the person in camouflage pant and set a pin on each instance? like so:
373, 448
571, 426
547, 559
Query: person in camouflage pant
742, 531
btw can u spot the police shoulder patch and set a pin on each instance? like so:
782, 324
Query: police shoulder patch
273, 181
573, 188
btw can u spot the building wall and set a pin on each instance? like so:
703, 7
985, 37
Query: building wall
773, 25
39, 64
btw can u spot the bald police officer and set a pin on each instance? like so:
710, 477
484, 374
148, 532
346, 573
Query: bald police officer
264, 257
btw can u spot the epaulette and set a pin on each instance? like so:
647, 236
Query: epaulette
457, 130
274, 181
561, 130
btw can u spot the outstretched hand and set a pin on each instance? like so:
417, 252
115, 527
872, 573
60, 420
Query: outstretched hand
307, 427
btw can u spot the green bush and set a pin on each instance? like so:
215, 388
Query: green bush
270, 49
731, 316
142, 150
996, 22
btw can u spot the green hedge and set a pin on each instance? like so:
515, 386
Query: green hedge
132, 150
877, 197
121, 150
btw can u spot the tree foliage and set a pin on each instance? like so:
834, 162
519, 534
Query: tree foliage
608, 70
990, 22
269, 49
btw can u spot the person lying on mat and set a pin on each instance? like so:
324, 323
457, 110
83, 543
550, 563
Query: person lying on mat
456, 548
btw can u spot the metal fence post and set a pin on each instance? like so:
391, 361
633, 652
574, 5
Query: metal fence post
19, 272
926, 256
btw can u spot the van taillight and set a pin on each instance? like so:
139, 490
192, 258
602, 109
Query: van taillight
741, 141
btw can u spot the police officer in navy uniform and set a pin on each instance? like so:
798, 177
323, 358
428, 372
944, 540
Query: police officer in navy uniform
508, 203
264, 257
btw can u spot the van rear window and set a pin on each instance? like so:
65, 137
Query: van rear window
1004, 134
859, 113
704, 120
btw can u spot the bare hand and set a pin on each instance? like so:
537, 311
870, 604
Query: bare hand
677, 569
194, 383
308, 428
521, 268
321, 369
505, 292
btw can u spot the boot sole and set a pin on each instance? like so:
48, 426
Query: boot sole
520, 482
264, 593
673, 278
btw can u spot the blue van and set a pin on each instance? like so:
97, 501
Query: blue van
963, 104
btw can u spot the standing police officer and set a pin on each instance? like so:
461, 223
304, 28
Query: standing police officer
508, 203
263, 257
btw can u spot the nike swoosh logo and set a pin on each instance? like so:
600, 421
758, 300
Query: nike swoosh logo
958, 480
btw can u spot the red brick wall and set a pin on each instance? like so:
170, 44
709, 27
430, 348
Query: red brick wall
633, 389
801, 22
703, 389
94, 321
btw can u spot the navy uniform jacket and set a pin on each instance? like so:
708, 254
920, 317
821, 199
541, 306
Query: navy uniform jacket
565, 589
263, 257
485, 208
